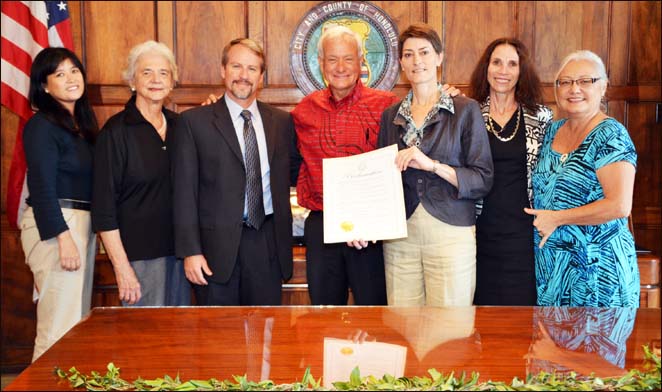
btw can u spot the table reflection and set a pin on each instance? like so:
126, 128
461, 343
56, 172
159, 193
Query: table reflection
280, 343
442, 337
567, 339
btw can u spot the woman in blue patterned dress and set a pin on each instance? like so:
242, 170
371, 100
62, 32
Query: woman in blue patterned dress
583, 187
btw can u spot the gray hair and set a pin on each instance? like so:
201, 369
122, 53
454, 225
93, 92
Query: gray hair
336, 31
148, 47
586, 55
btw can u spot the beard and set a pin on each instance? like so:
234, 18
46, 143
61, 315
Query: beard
242, 89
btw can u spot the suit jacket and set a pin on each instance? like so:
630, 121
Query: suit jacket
209, 182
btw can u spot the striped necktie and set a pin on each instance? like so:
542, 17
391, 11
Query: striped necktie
255, 205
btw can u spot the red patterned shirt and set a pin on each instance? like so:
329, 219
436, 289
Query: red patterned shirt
327, 128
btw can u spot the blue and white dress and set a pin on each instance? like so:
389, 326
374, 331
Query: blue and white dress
591, 265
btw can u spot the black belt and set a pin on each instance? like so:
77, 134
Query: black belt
74, 204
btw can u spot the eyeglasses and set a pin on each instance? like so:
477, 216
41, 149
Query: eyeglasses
581, 82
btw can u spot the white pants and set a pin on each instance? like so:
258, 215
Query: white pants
435, 265
64, 296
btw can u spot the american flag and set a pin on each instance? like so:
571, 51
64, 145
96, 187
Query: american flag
27, 28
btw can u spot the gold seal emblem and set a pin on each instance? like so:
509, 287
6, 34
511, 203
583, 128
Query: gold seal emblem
347, 226
346, 351
380, 68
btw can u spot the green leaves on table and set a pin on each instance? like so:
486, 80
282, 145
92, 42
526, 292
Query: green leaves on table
634, 380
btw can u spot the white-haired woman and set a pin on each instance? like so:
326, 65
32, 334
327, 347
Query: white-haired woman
132, 195
583, 187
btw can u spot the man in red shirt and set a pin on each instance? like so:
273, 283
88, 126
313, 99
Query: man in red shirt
339, 121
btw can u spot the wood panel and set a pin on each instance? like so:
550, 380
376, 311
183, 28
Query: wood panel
526, 32
18, 312
104, 112
280, 22
76, 26
616, 109
9, 122
617, 64
165, 19
647, 137
645, 43
595, 28
111, 29
202, 30
564, 26
469, 29
404, 13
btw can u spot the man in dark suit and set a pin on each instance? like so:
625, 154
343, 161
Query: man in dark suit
233, 222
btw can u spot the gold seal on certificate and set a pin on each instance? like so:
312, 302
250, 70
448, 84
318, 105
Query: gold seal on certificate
346, 351
346, 226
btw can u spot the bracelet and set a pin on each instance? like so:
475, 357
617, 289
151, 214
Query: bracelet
434, 166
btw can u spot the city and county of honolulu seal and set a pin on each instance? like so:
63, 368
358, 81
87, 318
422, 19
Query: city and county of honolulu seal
380, 43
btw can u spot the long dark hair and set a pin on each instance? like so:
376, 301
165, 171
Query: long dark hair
527, 90
83, 122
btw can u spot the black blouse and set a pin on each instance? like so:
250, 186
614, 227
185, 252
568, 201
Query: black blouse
59, 167
132, 188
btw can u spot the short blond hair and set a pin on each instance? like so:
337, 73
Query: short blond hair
250, 44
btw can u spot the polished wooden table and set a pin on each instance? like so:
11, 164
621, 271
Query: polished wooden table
279, 343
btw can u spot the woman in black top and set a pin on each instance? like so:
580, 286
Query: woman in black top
132, 204
505, 83
56, 233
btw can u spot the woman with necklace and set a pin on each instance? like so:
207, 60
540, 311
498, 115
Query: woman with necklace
446, 166
506, 84
132, 202
583, 186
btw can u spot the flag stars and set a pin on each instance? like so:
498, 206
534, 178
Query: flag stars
62, 6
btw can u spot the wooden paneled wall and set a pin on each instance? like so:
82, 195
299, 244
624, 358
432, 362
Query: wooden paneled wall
626, 34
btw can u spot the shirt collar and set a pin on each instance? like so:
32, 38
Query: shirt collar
235, 109
133, 115
445, 102
331, 103
413, 135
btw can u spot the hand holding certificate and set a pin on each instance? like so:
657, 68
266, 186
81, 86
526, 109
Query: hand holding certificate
363, 197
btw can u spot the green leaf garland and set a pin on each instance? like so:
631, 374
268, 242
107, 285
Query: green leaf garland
634, 380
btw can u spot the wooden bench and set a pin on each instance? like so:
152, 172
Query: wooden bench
295, 291
649, 273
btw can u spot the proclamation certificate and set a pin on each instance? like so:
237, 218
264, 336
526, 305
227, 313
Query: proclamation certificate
363, 197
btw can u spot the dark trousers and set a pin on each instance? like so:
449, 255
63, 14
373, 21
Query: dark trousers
256, 277
332, 268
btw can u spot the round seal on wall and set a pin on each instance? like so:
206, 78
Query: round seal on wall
380, 43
